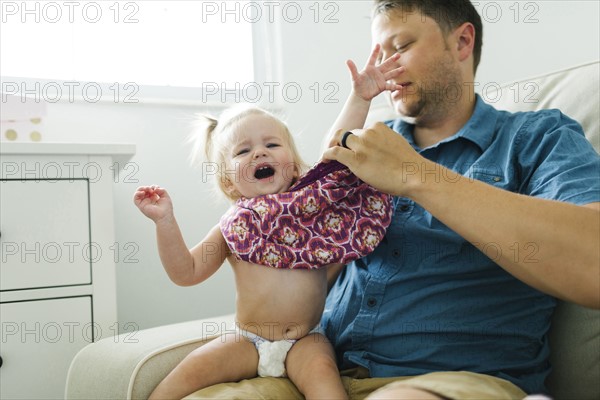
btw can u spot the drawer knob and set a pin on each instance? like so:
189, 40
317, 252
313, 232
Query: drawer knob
0, 361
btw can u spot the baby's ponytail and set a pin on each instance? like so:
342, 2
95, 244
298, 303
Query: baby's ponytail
202, 139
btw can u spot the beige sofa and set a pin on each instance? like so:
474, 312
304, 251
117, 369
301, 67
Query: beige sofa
129, 366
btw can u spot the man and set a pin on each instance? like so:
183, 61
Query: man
494, 219
430, 300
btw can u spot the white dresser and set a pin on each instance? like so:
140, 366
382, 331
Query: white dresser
57, 259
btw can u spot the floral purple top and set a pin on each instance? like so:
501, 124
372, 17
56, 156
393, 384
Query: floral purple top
329, 216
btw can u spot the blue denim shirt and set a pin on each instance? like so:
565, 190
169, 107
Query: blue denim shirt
427, 300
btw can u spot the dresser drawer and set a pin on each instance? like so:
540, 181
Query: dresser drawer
39, 340
45, 234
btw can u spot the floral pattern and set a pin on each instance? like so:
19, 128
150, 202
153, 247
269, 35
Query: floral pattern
244, 232
307, 205
335, 222
267, 210
367, 235
272, 255
288, 233
321, 252
329, 216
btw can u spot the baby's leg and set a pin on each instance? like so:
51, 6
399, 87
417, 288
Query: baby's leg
228, 358
311, 365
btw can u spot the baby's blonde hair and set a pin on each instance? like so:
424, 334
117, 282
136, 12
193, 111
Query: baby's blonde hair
213, 139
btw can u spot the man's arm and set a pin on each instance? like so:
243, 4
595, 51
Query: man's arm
566, 237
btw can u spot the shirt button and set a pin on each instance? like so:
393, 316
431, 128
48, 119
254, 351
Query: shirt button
404, 207
372, 302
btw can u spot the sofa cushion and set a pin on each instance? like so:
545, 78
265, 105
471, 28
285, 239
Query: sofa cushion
574, 91
575, 353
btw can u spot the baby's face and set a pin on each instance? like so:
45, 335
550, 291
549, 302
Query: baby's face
260, 160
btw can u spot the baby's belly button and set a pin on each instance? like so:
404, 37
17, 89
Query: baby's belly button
277, 330
296, 332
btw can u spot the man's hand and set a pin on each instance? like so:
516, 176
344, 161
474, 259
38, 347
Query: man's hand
380, 157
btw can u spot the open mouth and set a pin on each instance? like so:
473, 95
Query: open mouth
264, 172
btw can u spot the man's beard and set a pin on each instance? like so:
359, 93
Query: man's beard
436, 97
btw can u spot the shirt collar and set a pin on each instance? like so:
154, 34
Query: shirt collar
479, 129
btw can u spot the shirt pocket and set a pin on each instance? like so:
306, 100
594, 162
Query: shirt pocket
492, 176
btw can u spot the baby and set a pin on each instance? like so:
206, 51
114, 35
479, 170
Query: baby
277, 309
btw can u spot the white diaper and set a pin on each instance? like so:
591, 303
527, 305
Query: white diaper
272, 355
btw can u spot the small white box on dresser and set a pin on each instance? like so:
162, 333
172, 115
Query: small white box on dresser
57, 272
22, 118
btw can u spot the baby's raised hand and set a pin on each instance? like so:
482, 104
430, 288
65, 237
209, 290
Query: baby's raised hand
375, 78
153, 201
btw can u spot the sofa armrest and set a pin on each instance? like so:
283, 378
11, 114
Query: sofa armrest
129, 366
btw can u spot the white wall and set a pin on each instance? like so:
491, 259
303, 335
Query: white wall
567, 33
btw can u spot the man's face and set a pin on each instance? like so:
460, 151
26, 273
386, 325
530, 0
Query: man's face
432, 80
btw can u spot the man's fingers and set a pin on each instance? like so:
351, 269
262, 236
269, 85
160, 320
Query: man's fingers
344, 138
337, 152
340, 154
335, 138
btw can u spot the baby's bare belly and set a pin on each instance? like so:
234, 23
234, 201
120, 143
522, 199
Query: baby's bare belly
279, 304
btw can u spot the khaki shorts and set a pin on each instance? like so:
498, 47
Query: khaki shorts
450, 385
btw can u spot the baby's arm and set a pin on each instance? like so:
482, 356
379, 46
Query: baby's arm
366, 85
184, 267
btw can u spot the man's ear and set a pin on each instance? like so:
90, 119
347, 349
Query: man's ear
464, 39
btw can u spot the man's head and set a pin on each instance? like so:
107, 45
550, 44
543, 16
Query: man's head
437, 45
449, 15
